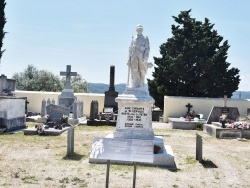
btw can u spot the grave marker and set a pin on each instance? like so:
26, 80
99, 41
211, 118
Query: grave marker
56, 112
67, 97
68, 75
189, 106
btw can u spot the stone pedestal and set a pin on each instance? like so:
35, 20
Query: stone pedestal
134, 119
67, 98
133, 140
12, 113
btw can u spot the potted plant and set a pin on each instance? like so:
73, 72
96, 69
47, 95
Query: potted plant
198, 126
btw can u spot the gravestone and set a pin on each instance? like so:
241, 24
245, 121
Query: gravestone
43, 110
67, 97
93, 110
214, 115
111, 94
56, 112
248, 111
7, 85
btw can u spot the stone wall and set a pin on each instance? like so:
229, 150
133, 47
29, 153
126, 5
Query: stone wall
35, 100
173, 106
176, 106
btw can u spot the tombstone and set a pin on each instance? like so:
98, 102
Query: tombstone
248, 111
56, 112
111, 94
48, 101
43, 110
67, 97
93, 110
7, 85
215, 113
81, 109
53, 101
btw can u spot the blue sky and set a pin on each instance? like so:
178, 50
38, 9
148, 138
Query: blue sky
91, 35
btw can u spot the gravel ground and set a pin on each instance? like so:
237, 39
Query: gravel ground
41, 161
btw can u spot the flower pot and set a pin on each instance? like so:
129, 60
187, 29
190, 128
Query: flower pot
223, 124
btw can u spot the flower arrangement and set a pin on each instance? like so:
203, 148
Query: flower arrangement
223, 117
190, 114
239, 125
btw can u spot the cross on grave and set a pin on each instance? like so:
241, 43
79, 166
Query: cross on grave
189, 106
225, 100
68, 75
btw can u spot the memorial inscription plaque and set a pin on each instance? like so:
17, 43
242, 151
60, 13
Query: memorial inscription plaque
130, 150
133, 116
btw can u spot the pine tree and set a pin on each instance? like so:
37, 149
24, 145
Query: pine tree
2, 23
193, 63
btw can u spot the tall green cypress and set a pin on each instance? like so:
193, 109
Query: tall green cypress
193, 63
2, 23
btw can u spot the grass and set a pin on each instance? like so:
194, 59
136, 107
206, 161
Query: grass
30, 179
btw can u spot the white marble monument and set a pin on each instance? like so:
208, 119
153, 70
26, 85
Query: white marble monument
134, 121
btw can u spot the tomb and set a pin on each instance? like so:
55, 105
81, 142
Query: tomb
12, 109
191, 121
222, 122
109, 114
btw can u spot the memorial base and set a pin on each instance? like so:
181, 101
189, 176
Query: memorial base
164, 157
134, 134
217, 131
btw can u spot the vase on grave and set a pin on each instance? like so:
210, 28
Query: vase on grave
223, 123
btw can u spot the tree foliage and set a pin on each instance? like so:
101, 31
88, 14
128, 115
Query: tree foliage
193, 63
32, 79
78, 84
2, 23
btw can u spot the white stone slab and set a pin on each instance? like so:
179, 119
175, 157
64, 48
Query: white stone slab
165, 157
124, 150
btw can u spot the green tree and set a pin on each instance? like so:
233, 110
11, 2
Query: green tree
2, 23
32, 79
193, 63
78, 84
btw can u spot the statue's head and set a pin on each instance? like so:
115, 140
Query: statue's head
139, 29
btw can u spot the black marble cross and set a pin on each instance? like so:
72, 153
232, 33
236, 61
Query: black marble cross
189, 106
68, 75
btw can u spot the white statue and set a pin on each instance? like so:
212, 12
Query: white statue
138, 59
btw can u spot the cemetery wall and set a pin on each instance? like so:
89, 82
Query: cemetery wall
35, 100
175, 106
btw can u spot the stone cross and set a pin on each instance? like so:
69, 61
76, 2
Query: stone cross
68, 75
189, 106
225, 100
